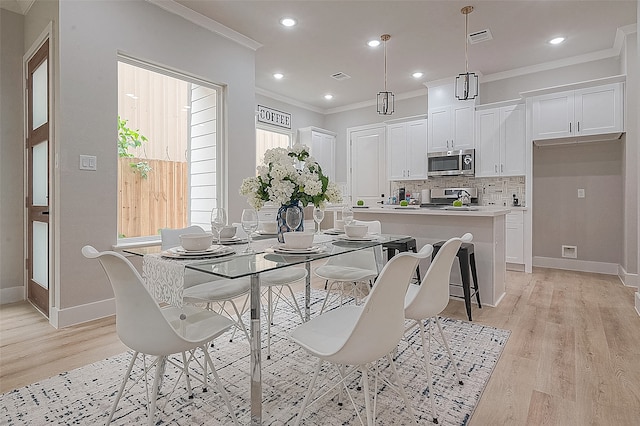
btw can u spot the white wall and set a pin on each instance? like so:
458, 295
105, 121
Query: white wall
11, 158
90, 36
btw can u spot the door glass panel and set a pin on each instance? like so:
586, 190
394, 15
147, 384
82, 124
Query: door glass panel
40, 260
40, 89
40, 175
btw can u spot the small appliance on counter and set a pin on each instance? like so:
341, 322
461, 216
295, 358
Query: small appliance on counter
439, 197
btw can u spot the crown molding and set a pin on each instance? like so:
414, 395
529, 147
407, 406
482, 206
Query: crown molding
207, 23
281, 98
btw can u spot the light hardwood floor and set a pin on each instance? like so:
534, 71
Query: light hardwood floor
573, 357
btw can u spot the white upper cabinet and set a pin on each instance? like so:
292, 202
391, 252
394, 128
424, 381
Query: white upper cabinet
501, 141
451, 127
407, 150
322, 146
583, 112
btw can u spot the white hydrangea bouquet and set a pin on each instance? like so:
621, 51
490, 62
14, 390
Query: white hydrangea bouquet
288, 176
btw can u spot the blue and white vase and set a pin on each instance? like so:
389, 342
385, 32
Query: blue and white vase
282, 221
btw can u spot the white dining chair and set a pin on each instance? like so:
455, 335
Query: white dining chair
273, 283
347, 273
200, 288
147, 329
427, 300
355, 337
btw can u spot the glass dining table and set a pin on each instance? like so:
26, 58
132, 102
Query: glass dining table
267, 257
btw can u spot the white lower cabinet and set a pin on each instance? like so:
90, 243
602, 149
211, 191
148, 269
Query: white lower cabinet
515, 237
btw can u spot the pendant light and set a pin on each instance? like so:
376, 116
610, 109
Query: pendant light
467, 83
385, 99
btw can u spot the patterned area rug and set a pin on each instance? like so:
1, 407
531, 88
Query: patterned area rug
84, 396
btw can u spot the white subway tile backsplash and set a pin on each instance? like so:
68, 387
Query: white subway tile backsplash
497, 191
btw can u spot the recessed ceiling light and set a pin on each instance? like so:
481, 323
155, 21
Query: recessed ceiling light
373, 43
556, 40
417, 74
278, 76
328, 96
288, 22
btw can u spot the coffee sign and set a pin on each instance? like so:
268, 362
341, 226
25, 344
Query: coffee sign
273, 116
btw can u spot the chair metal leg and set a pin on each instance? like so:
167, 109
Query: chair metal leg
185, 363
367, 401
401, 387
221, 388
427, 359
305, 401
154, 391
121, 390
446, 345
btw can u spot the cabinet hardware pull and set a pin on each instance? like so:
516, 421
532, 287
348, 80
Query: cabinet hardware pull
501, 168
495, 167
569, 127
578, 127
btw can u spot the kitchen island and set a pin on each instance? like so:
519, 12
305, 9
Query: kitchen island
430, 225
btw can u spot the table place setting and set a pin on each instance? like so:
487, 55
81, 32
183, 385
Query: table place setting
182, 253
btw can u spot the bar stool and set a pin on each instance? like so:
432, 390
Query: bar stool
406, 244
467, 259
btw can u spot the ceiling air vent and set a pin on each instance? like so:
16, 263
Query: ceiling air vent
340, 76
480, 36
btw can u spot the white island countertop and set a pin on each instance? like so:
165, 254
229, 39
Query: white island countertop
477, 211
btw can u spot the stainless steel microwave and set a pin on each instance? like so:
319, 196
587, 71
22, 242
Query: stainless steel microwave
452, 163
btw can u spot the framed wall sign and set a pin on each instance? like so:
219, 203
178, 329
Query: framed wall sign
273, 116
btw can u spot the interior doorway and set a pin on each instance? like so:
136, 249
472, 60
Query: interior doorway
38, 148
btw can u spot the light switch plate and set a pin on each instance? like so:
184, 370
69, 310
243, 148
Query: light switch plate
88, 162
580, 193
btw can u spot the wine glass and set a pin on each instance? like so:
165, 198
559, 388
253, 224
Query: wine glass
318, 216
293, 217
347, 215
249, 222
218, 220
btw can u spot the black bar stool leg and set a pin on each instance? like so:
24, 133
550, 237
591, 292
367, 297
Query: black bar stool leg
415, 250
390, 253
466, 278
474, 273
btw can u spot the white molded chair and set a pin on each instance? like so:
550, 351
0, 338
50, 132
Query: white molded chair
147, 329
353, 269
358, 336
273, 283
203, 288
429, 299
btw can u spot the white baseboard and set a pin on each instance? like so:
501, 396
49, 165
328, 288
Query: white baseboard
576, 265
12, 294
60, 318
638, 303
630, 280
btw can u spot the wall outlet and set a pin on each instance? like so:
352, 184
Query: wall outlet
580, 193
570, 251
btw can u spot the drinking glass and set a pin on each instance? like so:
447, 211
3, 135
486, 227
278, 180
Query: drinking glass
318, 216
218, 220
293, 217
347, 215
249, 222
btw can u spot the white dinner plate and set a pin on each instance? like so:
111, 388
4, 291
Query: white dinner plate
368, 237
266, 233
223, 251
233, 240
181, 250
333, 231
280, 248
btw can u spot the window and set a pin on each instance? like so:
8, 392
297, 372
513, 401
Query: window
169, 143
267, 139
